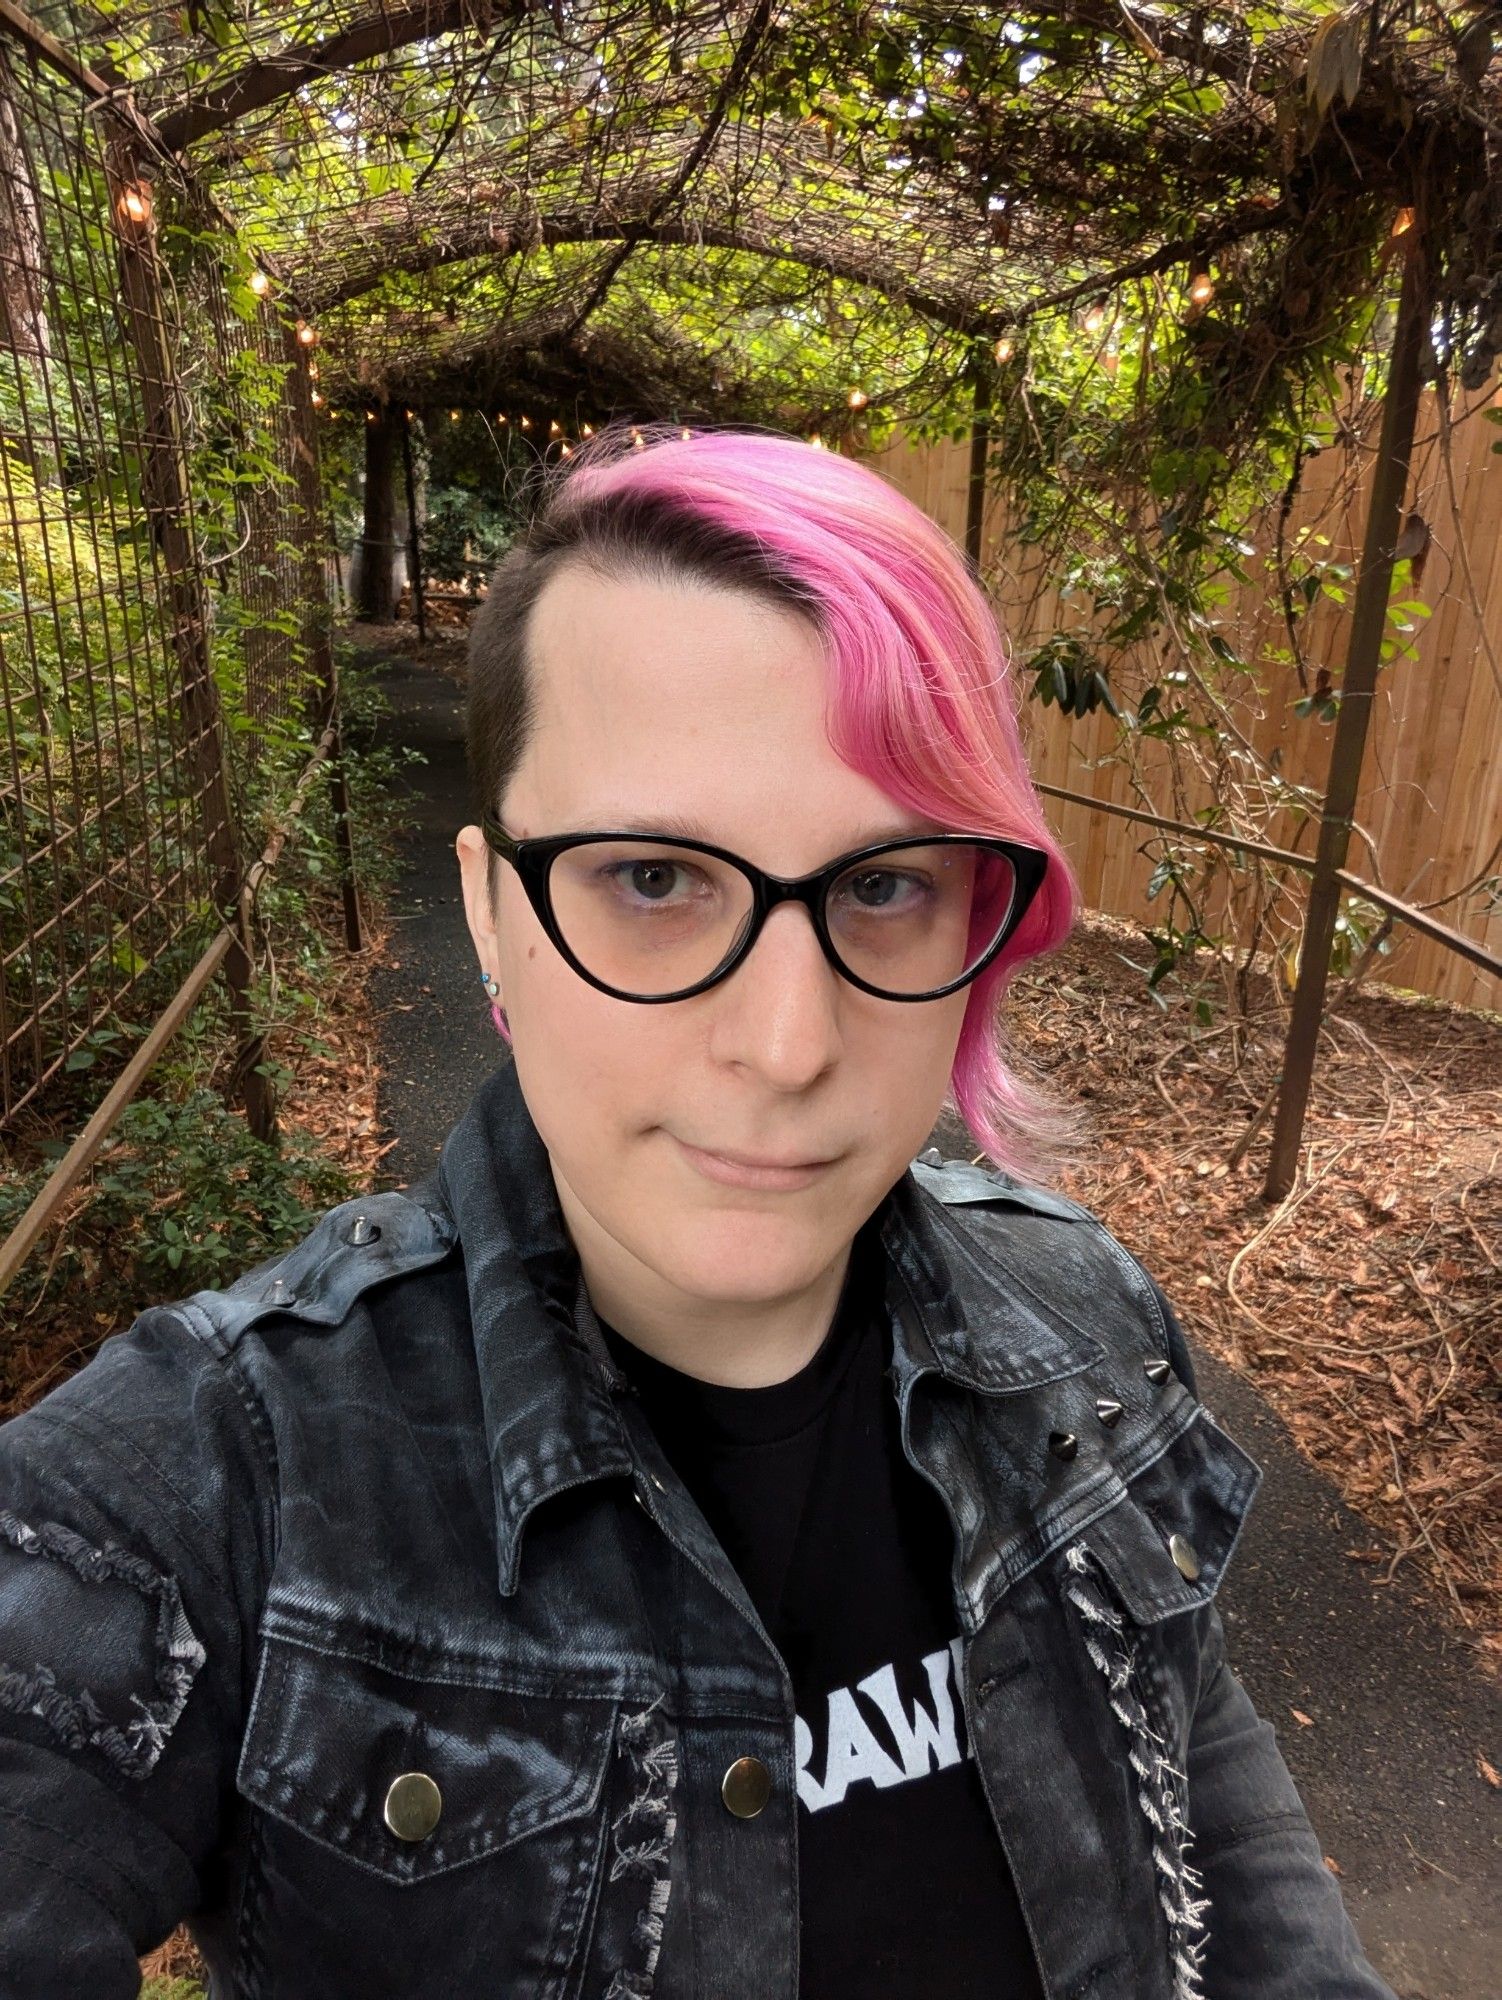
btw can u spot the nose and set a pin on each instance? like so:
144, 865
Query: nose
781, 1002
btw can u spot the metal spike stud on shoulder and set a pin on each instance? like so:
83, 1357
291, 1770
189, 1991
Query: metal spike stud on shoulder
1109, 1411
1063, 1444
932, 1157
279, 1292
1156, 1369
363, 1230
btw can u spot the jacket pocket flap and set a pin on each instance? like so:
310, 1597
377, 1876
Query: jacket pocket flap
1183, 1514
329, 1734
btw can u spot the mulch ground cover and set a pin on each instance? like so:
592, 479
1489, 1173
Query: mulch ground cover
1366, 1306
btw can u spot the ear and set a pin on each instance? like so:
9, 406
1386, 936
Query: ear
474, 874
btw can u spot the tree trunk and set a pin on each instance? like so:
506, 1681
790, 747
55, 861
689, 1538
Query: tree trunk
375, 600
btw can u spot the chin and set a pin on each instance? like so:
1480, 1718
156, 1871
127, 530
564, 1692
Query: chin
735, 1256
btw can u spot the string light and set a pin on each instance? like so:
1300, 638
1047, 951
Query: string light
135, 204
259, 283
317, 400
307, 335
453, 416
566, 448
526, 423
857, 399
635, 435
816, 441
1006, 347
312, 371
1402, 222
589, 430
1202, 288
555, 427
1095, 318
500, 416
410, 415
372, 417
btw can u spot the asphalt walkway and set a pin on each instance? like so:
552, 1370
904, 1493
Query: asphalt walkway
1387, 1765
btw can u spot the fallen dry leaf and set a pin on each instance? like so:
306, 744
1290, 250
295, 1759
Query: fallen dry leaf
1488, 1771
1299, 1716
1332, 1864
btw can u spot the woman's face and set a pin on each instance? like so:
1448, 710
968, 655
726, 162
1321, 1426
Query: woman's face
658, 700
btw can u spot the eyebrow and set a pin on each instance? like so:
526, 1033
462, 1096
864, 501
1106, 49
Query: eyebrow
683, 826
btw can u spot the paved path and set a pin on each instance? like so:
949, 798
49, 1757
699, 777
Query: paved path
1387, 1770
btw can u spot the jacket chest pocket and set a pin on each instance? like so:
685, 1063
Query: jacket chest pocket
419, 1835
1143, 1575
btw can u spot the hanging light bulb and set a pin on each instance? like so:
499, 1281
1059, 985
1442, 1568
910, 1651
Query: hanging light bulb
1095, 318
1402, 222
410, 415
372, 416
685, 433
454, 416
317, 400
589, 430
500, 416
555, 427
259, 283
312, 371
857, 399
638, 443
1006, 347
566, 448
307, 335
135, 204
816, 441
1201, 288
526, 423
635, 435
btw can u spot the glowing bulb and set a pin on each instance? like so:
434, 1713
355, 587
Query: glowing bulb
526, 423
308, 335
371, 417
589, 430
312, 371
685, 433
555, 427
857, 399
635, 435
1095, 318
566, 448
500, 416
1005, 349
410, 415
453, 416
1402, 222
259, 283
1202, 288
135, 205
816, 441
317, 400
637, 443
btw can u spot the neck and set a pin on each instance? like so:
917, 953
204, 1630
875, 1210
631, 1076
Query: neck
736, 1344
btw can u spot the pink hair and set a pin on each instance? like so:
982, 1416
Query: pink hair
922, 699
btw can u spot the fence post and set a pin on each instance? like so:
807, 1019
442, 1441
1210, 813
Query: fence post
318, 620
374, 599
165, 492
1358, 684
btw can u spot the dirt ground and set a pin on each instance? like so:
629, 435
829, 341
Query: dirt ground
1367, 1305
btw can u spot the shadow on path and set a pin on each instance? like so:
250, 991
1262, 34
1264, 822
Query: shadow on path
1387, 1767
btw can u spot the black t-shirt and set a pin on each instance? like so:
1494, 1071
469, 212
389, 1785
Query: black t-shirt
845, 1551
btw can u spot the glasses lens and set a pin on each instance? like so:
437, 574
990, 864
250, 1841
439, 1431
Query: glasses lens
651, 919
646, 917
915, 919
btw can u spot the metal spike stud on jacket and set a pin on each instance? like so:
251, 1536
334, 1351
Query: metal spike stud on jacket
354, 1613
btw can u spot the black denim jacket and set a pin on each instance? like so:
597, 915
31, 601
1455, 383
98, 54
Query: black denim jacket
383, 1510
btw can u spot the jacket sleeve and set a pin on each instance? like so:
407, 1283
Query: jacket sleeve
133, 1517
1277, 1926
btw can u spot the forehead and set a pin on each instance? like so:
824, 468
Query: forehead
678, 708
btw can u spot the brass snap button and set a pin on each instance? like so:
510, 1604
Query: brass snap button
413, 1805
1185, 1561
746, 1787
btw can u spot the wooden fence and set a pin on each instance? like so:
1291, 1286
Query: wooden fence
1429, 814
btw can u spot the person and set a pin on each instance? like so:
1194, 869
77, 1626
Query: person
690, 1545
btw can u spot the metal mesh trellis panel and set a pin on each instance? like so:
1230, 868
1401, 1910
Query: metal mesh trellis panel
153, 624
